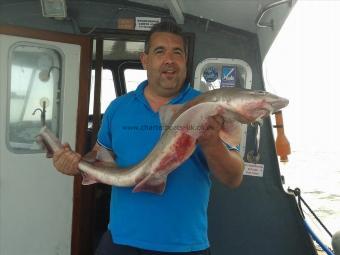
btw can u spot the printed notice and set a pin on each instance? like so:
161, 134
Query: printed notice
146, 23
253, 169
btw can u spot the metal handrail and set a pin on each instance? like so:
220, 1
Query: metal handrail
254, 155
266, 9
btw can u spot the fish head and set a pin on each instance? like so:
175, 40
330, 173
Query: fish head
253, 105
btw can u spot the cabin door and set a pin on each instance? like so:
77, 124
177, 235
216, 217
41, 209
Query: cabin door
39, 85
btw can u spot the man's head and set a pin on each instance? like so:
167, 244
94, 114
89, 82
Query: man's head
165, 59
168, 27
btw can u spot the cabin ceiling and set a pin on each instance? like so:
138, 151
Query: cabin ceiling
239, 14
234, 13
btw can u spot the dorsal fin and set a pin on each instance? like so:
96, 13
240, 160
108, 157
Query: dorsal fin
105, 158
100, 157
193, 119
104, 155
166, 113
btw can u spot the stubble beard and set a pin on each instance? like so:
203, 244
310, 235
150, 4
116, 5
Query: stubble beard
170, 88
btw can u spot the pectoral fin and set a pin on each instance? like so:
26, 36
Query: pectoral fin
151, 184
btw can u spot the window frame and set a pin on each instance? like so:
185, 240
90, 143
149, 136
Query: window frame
57, 96
127, 65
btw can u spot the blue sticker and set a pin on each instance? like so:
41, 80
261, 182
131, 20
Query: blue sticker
228, 78
210, 74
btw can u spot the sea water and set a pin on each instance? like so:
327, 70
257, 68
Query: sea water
317, 175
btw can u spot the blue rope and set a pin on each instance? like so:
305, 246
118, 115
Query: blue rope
297, 193
317, 239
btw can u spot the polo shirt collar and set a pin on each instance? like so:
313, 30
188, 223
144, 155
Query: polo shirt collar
140, 93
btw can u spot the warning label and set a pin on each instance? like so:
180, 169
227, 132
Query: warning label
146, 23
253, 169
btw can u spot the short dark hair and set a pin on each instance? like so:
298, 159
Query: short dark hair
167, 27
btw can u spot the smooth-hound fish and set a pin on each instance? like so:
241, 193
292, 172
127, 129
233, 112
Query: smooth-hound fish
183, 125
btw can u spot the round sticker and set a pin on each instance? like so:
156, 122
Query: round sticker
210, 74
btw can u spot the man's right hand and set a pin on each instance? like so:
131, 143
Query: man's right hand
66, 161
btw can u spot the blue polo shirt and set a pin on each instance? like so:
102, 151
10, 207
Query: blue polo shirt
175, 221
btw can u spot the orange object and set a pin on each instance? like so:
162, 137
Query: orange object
126, 23
281, 144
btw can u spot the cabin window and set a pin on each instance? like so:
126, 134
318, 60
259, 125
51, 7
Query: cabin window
34, 94
108, 92
133, 77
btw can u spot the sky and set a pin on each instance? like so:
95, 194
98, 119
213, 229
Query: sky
302, 65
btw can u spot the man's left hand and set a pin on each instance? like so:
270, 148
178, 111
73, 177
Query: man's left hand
210, 135
227, 166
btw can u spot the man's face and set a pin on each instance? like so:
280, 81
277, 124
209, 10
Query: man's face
165, 64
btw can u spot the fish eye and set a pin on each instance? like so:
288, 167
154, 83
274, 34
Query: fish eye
255, 92
261, 92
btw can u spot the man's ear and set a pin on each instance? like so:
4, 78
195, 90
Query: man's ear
144, 60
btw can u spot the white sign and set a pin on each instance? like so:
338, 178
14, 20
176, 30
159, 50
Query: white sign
146, 23
253, 169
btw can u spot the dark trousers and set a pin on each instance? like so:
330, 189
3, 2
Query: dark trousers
107, 247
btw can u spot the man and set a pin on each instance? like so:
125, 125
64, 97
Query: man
176, 221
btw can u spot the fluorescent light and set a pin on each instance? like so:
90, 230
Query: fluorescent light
54, 8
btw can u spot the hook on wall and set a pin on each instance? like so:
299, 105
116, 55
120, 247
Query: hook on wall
265, 9
44, 75
44, 103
